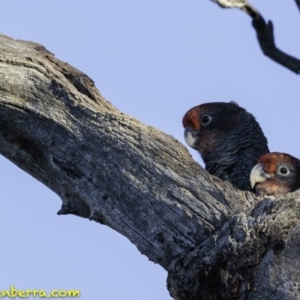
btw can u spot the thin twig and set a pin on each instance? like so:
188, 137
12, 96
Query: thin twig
298, 3
265, 34
241, 4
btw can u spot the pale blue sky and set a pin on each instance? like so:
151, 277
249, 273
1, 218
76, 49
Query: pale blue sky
153, 60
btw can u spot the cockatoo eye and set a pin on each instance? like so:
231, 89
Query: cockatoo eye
206, 119
283, 171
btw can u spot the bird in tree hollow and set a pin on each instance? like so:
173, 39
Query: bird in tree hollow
276, 174
228, 138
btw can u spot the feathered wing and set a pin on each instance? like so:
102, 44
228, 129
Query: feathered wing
238, 153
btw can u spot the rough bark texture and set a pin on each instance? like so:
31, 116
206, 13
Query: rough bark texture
265, 34
216, 242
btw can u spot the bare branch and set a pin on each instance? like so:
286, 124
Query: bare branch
265, 35
298, 3
241, 4
103, 164
215, 242
266, 41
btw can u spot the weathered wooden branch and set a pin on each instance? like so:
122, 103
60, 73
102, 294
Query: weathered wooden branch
215, 241
265, 34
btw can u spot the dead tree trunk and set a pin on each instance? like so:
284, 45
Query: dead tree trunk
216, 242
